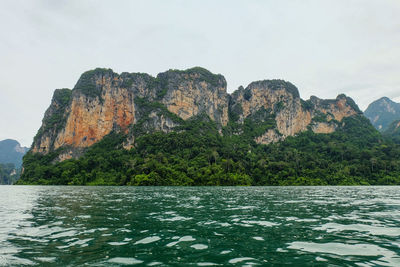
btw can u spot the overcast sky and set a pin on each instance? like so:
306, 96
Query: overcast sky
323, 47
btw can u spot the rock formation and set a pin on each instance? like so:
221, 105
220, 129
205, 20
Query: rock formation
382, 113
292, 115
135, 103
11, 151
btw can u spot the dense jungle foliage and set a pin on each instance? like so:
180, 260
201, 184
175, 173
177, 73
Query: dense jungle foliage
196, 154
8, 173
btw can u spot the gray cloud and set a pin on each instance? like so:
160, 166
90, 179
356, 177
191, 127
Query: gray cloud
323, 47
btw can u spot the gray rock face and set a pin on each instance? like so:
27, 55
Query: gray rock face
191, 93
382, 113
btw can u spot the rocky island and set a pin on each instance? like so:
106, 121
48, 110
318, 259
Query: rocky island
183, 128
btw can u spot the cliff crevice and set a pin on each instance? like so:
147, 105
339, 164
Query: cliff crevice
136, 103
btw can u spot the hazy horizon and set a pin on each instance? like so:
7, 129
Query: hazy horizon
325, 48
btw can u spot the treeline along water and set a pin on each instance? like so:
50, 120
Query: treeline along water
199, 226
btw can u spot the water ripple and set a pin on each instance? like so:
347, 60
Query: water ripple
200, 226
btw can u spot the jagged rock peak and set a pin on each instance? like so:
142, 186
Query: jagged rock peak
275, 85
341, 101
291, 114
196, 73
103, 101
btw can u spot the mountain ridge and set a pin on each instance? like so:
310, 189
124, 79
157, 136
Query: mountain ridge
183, 128
382, 112
11, 151
103, 101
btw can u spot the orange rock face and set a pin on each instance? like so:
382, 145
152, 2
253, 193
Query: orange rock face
290, 116
190, 98
341, 109
89, 121
103, 101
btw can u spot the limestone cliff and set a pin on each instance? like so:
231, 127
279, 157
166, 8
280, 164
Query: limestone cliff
292, 115
97, 105
135, 103
103, 101
190, 93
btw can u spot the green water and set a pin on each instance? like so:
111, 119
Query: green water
199, 226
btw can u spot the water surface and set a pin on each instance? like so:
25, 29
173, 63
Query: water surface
199, 226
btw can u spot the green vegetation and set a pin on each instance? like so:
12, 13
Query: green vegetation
8, 173
306, 104
253, 126
87, 84
160, 83
320, 117
393, 132
146, 107
199, 152
234, 111
127, 82
62, 98
204, 75
57, 117
277, 84
196, 154
247, 94
12, 152
382, 113
279, 106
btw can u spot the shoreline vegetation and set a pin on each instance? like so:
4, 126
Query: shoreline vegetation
264, 134
198, 155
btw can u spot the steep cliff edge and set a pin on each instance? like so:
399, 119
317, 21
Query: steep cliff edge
183, 128
135, 103
195, 91
281, 101
103, 101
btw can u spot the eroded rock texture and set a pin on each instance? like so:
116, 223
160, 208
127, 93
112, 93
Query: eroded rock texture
135, 103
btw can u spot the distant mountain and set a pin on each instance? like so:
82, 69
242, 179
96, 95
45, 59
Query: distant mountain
11, 151
8, 173
382, 113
